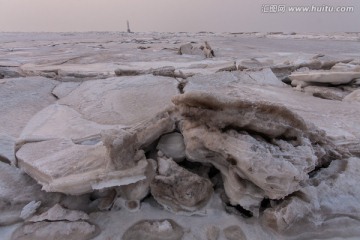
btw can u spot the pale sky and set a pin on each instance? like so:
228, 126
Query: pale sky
172, 16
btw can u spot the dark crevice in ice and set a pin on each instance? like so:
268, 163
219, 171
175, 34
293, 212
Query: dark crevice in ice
213, 172
4, 160
265, 204
181, 86
242, 211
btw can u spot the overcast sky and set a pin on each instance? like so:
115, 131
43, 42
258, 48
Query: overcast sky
172, 16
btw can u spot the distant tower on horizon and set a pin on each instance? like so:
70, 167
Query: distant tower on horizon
128, 26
